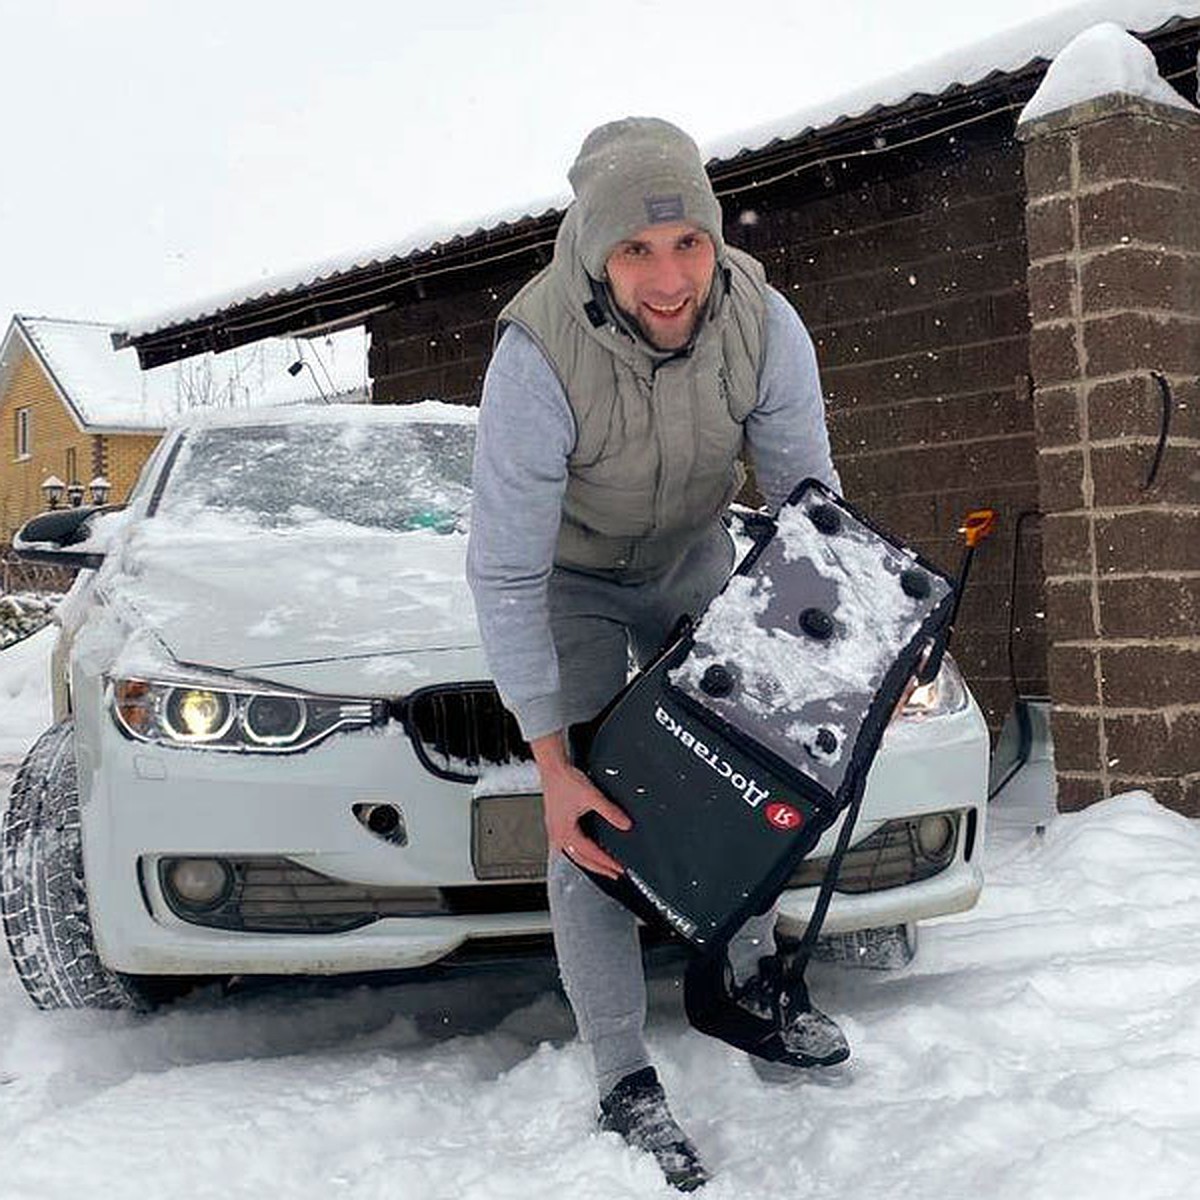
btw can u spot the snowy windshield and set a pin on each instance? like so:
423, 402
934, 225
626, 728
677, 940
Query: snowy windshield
384, 476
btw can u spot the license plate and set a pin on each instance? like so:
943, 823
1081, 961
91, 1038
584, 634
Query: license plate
508, 838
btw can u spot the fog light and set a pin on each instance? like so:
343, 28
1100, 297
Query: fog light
935, 834
199, 883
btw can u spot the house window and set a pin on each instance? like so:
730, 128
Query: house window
22, 433
72, 470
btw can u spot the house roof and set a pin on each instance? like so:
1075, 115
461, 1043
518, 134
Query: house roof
352, 286
107, 392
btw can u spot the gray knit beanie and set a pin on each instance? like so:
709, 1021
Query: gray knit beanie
633, 173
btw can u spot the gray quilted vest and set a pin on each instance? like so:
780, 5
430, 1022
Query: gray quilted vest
658, 435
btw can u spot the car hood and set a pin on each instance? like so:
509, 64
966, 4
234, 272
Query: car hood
268, 605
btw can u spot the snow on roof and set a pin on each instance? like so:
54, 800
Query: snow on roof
425, 238
109, 391
425, 412
1100, 61
1004, 52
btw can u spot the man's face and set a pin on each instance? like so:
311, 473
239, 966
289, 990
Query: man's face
660, 278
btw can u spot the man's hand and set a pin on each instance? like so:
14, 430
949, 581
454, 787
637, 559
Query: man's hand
567, 794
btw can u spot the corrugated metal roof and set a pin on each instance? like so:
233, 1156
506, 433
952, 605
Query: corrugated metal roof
1006, 52
1003, 53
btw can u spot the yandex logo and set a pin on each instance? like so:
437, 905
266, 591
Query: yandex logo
748, 787
784, 816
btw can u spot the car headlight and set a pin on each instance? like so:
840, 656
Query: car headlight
945, 693
183, 714
197, 714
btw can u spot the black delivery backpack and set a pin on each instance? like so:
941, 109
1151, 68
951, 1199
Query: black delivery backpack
743, 741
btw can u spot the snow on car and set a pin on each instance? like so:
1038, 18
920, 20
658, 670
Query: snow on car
276, 748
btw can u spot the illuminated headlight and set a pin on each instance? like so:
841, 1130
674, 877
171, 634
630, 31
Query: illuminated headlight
177, 714
945, 693
197, 715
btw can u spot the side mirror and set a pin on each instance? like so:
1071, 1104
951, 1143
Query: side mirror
51, 536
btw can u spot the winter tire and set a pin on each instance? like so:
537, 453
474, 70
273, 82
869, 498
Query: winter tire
43, 899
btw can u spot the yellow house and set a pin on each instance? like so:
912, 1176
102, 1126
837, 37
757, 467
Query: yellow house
68, 411
75, 410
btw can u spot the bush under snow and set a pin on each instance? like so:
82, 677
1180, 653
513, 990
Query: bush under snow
24, 613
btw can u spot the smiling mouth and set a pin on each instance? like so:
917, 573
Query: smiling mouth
661, 311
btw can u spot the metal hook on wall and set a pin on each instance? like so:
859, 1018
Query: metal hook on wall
1168, 405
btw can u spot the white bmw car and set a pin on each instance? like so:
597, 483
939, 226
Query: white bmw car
276, 748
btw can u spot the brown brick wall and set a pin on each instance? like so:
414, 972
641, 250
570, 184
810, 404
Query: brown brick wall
911, 275
438, 347
1114, 279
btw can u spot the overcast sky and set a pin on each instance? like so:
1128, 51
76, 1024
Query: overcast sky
155, 153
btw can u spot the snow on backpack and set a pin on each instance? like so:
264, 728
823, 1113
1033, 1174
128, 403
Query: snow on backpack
754, 729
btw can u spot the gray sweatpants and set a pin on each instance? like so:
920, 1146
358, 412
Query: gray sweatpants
599, 625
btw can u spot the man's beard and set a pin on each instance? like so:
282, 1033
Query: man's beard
633, 322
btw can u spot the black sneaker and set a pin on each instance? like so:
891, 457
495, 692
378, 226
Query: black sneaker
810, 1038
637, 1109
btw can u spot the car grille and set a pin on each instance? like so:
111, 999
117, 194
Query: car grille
275, 895
459, 729
891, 857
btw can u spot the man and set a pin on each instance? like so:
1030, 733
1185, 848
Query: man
627, 378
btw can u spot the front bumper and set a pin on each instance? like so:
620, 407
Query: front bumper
143, 803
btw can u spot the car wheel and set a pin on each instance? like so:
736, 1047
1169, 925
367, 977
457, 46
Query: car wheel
43, 900
887, 948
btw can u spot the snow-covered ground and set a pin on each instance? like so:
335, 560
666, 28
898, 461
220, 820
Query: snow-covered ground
1045, 1045
25, 708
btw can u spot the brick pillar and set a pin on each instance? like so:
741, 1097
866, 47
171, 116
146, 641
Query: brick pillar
1113, 225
